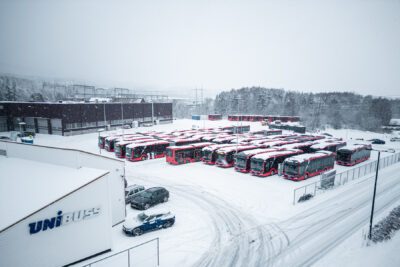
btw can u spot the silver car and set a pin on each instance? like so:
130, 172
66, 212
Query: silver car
131, 191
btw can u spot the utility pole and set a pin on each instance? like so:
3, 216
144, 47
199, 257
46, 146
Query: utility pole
237, 127
104, 114
373, 198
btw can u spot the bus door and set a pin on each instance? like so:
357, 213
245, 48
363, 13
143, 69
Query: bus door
197, 155
179, 157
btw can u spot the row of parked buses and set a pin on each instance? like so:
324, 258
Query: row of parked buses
301, 156
152, 145
269, 118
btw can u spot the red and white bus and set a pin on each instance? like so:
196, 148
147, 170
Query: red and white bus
328, 146
209, 153
224, 140
185, 154
214, 117
267, 164
305, 146
226, 156
352, 155
242, 163
183, 141
304, 166
148, 150
120, 147
110, 141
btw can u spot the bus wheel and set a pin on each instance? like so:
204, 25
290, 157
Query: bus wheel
143, 158
272, 173
306, 176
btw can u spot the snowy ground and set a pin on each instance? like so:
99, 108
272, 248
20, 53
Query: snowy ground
226, 218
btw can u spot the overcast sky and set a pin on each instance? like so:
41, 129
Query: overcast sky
216, 45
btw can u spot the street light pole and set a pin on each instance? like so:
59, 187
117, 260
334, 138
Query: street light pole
373, 198
237, 127
104, 114
122, 117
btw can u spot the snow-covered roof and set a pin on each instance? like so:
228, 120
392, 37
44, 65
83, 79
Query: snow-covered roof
268, 155
27, 186
354, 147
297, 145
216, 146
323, 145
308, 156
155, 142
197, 145
233, 148
256, 151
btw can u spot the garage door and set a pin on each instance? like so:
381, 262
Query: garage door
43, 126
56, 126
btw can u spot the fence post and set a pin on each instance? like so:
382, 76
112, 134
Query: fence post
129, 258
294, 196
158, 251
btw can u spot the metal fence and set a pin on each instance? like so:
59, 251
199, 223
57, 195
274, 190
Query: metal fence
342, 178
146, 254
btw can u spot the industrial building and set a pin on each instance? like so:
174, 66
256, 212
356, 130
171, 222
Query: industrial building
77, 118
58, 205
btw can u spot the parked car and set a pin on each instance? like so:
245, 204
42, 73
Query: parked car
360, 139
377, 141
394, 139
6, 138
327, 134
131, 191
144, 223
149, 197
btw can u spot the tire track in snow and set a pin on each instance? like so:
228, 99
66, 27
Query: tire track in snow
238, 241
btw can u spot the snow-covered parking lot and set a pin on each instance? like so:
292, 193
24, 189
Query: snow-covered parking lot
227, 218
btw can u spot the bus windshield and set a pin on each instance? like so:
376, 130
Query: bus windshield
128, 152
241, 161
169, 153
344, 155
290, 168
207, 154
138, 151
257, 164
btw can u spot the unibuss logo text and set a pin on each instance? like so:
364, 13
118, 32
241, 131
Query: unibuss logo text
62, 219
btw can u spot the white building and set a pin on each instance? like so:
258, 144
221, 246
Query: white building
57, 205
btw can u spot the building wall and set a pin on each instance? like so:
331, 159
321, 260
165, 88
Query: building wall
77, 159
68, 243
80, 116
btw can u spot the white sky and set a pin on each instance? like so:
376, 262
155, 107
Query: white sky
217, 45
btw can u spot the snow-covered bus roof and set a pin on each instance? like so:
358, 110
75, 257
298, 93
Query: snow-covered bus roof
257, 151
297, 145
355, 147
264, 156
197, 145
155, 142
323, 145
217, 146
233, 148
305, 157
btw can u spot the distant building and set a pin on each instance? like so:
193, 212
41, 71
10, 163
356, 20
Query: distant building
77, 118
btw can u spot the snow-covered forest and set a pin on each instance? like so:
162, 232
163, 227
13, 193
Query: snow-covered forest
336, 109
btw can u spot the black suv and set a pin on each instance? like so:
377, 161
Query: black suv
149, 197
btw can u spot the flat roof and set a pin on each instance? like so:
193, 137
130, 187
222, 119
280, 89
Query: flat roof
26, 186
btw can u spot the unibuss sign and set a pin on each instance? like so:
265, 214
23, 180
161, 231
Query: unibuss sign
63, 219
